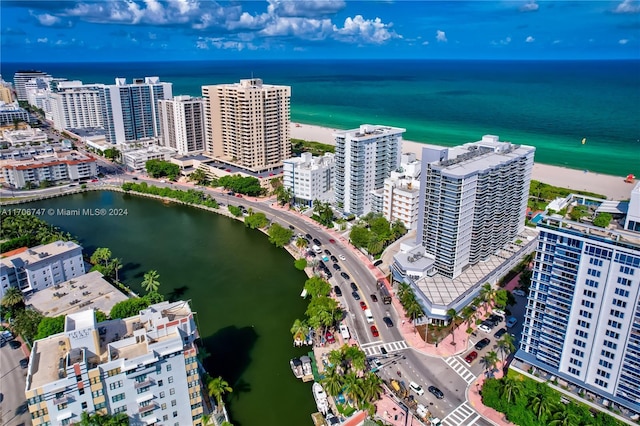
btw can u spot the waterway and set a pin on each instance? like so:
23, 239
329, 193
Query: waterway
244, 290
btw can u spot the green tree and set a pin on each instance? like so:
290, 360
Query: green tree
299, 329
99, 419
241, 184
234, 210
112, 154
256, 221
26, 323
323, 213
128, 308
602, 220
283, 194
316, 287
511, 389
398, 229
12, 298
414, 310
198, 176
161, 168
301, 243
375, 245
453, 317
300, 264
153, 297
332, 381
487, 293
371, 387
279, 235
501, 298
150, 282
578, 212
541, 405
217, 388
322, 312
506, 346
101, 255
359, 236
563, 416
49, 326
355, 357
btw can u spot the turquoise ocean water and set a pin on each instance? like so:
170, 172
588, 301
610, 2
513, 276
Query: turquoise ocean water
552, 105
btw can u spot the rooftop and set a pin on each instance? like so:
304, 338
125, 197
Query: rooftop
367, 131
75, 295
36, 254
617, 236
119, 339
50, 159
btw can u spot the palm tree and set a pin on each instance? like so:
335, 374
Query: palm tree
453, 317
506, 346
332, 381
511, 388
355, 356
371, 387
353, 388
150, 282
403, 289
561, 416
217, 388
12, 297
487, 293
337, 358
489, 360
102, 254
541, 405
469, 315
115, 266
414, 310
302, 243
299, 329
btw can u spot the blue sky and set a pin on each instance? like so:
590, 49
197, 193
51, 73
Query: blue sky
141, 30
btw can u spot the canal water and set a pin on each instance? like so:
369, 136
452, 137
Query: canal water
245, 291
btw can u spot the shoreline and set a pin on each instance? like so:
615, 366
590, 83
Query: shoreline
613, 187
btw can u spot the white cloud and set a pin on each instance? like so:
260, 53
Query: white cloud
424, 43
220, 43
43, 40
556, 42
306, 29
503, 42
530, 39
531, 6
360, 30
47, 20
441, 36
623, 41
305, 9
628, 6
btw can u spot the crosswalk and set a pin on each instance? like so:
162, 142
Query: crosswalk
463, 415
371, 349
460, 368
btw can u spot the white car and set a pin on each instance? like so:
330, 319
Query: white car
341, 257
499, 312
484, 328
519, 292
416, 388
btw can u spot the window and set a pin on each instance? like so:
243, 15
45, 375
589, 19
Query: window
612, 334
617, 313
83, 405
115, 385
582, 334
615, 324
591, 283
170, 379
619, 303
605, 364
62, 406
596, 262
165, 418
175, 414
590, 293
574, 371
621, 292
172, 391
580, 343
163, 406
97, 393
585, 314
173, 402
100, 406
593, 272
583, 323
587, 304
610, 344
607, 354
624, 281
160, 382
577, 352
168, 367
575, 362
601, 383
627, 270
161, 394
143, 390
118, 397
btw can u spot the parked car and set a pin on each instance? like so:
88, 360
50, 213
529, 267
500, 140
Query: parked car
354, 287
317, 242
345, 275
336, 267
511, 322
330, 338
327, 252
341, 257
499, 312
482, 344
416, 388
436, 392
387, 321
500, 333
15, 344
495, 319
308, 237
471, 356
334, 259
519, 292
363, 306
484, 327
24, 363
355, 295
374, 331
337, 291
374, 298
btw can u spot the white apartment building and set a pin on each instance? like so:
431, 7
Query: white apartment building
75, 106
136, 159
401, 193
20, 79
130, 111
59, 166
632, 221
41, 267
145, 366
582, 317
11, 112
473, 200
25, 137
182, 124
365, 157
247, 123
310, 178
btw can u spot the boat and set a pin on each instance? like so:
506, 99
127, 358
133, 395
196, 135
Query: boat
321, 398
306, 366
304, 293
296, 367
584, 140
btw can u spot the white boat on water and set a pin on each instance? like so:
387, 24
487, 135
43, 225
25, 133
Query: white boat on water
306, 366
321, 398
296, 367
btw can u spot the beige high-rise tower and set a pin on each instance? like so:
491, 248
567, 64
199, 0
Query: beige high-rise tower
247, 123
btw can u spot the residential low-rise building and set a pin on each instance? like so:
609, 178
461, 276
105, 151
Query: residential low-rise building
144, 366
310, 178
58, 166
40, 267
10, 113
24, 137
401, 193
136, 159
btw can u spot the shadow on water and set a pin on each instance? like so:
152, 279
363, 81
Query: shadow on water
127, 267
177, 293
230, 353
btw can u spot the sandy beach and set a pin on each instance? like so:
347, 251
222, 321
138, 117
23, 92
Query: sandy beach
614, 187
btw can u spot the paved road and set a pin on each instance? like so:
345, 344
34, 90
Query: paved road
13, 408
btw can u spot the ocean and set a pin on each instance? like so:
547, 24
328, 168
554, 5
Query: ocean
552, 105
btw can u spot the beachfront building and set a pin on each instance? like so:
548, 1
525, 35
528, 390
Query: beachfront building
470, 227
182, 124
6, 93
247, 123
10, 113
21, 78
401, 192
51, 167
365, 157
24, 137
75, 106
130, 111
310, 178
145, 366
136, 159
632, 221
40, 267
581, 322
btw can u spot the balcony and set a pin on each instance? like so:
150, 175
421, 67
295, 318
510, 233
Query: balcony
147, 408
146, 382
